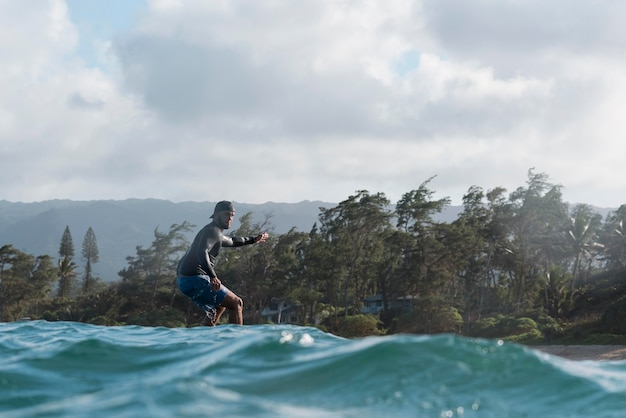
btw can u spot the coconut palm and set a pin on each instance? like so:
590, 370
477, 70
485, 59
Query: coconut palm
583, 235
67, 275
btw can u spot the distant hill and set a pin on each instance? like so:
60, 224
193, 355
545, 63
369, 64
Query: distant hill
120, 226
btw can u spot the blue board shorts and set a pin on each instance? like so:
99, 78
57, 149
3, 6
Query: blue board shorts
198, 289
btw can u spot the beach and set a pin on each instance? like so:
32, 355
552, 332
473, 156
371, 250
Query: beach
585, 352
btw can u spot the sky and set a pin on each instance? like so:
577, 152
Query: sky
285, 101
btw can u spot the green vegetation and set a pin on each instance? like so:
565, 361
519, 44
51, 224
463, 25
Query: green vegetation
521, 266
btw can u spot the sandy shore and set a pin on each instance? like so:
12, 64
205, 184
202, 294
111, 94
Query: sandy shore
585, 352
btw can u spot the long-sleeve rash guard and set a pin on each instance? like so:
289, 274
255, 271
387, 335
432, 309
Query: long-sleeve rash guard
201, 255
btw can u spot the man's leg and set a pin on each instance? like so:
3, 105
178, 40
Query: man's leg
234, 304
218, 314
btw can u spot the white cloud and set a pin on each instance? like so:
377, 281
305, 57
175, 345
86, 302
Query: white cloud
287, 101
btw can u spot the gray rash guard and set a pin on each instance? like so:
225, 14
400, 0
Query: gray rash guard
201, 255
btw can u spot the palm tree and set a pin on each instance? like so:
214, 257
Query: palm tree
582, 234
614, 239
67, 273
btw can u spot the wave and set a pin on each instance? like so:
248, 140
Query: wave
76, 370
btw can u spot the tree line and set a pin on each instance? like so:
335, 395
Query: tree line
520, 263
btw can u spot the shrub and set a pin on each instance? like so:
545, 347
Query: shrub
550, 327
502, 326
447, 320
523, 325
486, 328
431, 316
359, 326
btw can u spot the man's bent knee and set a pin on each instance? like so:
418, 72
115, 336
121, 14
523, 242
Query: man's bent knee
232, 301
237, 303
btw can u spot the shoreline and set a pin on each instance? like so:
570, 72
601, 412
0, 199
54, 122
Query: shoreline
584, 352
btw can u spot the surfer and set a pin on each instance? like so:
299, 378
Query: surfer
196, 270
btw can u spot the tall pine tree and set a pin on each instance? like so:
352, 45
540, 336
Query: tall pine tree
66, 249
90, 255
67, 268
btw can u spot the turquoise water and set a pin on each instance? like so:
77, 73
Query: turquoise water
54, 369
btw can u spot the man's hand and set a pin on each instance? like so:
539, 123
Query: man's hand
262, 237
215, 284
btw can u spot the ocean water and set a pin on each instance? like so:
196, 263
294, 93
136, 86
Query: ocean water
65, 369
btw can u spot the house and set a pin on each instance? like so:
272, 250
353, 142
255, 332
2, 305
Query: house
280, 312
374, 304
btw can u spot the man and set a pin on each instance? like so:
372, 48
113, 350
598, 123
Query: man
196, 270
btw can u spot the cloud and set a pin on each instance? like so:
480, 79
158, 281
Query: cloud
287, 101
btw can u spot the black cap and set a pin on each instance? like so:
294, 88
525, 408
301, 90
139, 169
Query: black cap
223, 206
